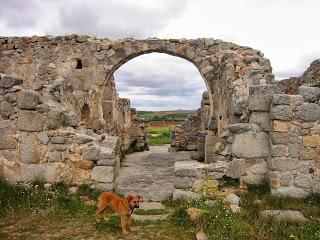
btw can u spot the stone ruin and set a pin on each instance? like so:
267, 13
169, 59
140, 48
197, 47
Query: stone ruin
62, 119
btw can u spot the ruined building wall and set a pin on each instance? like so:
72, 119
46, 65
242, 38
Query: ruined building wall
72, 76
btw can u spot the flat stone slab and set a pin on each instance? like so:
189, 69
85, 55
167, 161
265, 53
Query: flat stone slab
149, 217
290, 215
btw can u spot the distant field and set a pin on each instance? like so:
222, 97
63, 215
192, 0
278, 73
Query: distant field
159, 136
178, 115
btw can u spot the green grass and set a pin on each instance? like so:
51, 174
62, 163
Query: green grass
151, 211
159, 136
32, 212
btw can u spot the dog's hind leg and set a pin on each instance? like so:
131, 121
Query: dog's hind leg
100, 209
106, 216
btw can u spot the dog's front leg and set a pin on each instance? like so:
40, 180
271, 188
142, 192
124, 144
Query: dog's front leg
123, 225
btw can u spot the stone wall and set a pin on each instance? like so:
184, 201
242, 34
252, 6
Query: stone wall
294, 165
280, 143
41, 140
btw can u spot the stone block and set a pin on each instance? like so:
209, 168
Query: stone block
82, 139
58, 140
251, 179
46, 172
285, 215
6, 109
80, 176
29, 149
308, 112
8, 141
281, 99
54, 156
258, 168
303, 181
242, 127
85, 164
251, 145
107, 162
259, 102
285, 138
311, 141
103, 174
8, 82
106, 153
104, 186
262, 119
237, 168
54, 119
294, 150
281, 126
283, 163
266, 89
30, 121
91, 153
43, 138
184, 182
70, 120
28, 99
188, 168
281, 112
279, 150
290, 192
309, 94
185, 195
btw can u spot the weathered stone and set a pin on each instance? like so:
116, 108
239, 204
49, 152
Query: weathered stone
187, 168
30, 121
46, 172
91, 153
251, 145
233, 199
309, 94
303, 181
201, 236
70, 120
54, 156
104, 186
262, 119
242, 127
281, 126
107, 162
185, 195
283, 164
235, 208
8, 82
82, 139
29, 148
291, 192
266, 89
281, 112
294, 150
279, 151
258, 168
106, 153
102, 174
285, 138
184, 182
6, 109
54, 119
8, 141
308, 112
237, 168
85, 164
281, 99
58, 140
311, 141
284, 215
259, 102
28, 99
43, 138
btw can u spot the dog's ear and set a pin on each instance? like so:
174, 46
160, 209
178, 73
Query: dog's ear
129, 198
140, 197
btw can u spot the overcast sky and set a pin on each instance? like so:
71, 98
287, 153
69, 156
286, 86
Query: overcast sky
286, 31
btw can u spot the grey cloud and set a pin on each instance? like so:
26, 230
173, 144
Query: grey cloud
173, 82
116, 19
19, 13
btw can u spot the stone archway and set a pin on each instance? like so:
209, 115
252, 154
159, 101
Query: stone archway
227, 69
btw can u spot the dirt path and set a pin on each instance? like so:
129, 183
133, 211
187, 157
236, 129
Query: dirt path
149, 173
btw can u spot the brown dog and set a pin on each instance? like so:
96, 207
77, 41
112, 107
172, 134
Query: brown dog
123, 206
